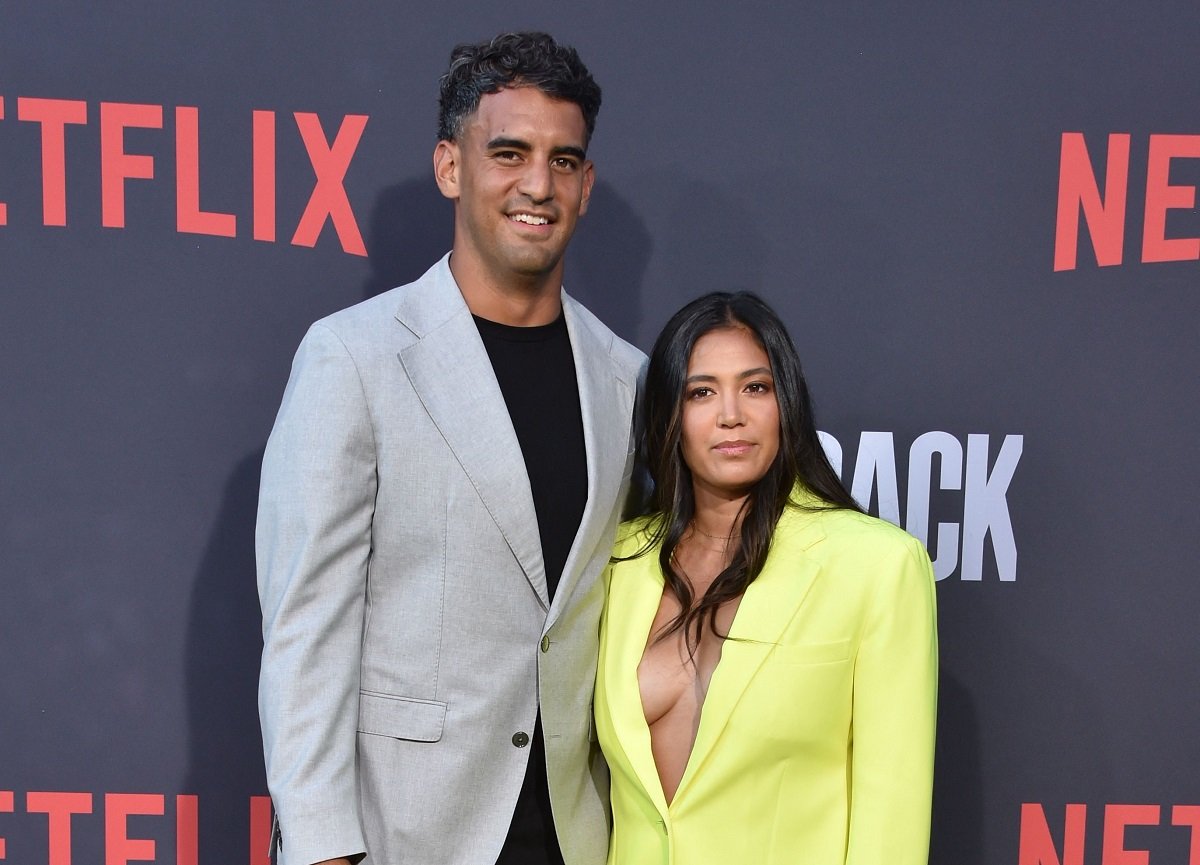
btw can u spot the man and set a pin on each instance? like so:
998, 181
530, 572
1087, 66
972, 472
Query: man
439, 494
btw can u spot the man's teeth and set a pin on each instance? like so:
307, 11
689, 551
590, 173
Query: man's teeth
529, 220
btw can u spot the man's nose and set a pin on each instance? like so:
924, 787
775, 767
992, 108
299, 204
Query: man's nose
536, 182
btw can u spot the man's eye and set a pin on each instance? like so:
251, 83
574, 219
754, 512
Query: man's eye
565, 164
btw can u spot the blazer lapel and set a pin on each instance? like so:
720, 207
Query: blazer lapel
768, 605
632, 602
452, 375
606, 395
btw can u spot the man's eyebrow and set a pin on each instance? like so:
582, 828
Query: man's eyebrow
510, 143
569, 150
502, 143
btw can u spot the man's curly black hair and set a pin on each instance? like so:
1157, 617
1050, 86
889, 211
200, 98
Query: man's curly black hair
513, 60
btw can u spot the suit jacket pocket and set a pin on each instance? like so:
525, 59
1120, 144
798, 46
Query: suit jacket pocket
400, 717
803, 654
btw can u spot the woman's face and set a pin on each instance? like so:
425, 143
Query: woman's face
730, 414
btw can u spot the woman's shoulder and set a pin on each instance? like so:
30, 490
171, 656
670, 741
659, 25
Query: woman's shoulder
843, 530
867, 556
634, 535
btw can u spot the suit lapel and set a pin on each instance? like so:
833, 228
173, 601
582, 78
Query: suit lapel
767, 607
632, 602
606, 405
452, 375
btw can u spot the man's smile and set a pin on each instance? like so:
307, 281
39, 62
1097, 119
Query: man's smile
530, 218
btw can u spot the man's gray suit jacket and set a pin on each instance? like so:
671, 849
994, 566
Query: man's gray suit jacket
406, 626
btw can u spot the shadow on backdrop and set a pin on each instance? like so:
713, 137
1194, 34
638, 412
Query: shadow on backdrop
606, 261
1052, 732
703, 240
411, 227
223, 648
957, 832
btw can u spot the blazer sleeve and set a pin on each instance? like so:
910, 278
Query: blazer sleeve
313, 542
894, 714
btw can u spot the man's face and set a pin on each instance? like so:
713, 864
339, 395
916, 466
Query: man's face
519, 175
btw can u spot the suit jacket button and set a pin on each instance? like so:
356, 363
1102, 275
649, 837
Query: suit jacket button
546, 644
520, 739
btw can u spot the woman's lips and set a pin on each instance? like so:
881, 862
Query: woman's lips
733, 448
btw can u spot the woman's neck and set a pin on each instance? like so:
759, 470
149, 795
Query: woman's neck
717, 518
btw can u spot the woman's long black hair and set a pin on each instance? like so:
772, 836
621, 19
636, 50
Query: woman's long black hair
672, 502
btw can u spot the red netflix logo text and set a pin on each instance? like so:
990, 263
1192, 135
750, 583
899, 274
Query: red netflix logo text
1038, 845
1104, 215
65, 811
329, 159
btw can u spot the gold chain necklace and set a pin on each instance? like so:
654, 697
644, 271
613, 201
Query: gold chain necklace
707, 535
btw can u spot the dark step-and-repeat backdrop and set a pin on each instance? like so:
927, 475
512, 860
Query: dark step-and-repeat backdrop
978, 220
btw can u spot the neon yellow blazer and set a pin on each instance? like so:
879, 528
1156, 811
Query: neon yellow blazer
815, 744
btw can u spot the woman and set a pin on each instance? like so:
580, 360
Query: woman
768, 654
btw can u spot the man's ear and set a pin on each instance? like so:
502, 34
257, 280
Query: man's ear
445, 168
589, 178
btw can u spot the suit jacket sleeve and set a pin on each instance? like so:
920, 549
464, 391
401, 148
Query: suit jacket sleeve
313, 543
895, 696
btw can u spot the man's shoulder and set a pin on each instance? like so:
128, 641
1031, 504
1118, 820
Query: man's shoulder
628, 354
625, 354
382, 311
380, 306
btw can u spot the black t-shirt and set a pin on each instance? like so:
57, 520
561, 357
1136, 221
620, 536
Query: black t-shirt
536, 372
